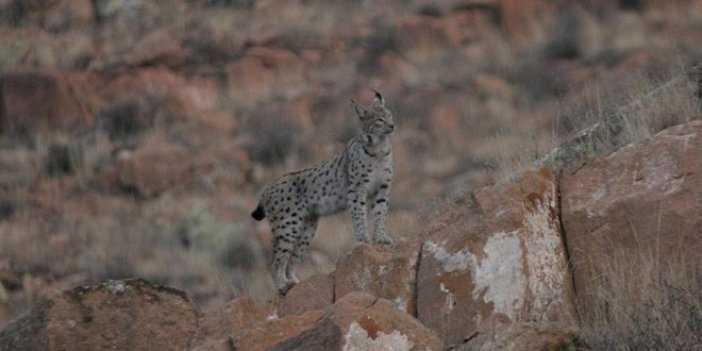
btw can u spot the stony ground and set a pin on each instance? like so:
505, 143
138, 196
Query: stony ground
135, 135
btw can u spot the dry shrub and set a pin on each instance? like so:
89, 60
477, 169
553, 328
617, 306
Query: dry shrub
644, 301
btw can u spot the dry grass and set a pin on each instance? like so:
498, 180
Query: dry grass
644, 301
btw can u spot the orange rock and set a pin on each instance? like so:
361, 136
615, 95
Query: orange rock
313, 293
383, 271
263, 72
268, 334
522, 19
526, 337
643, 199
217, 324
356, 322
497, 261
33, 100
117, 315
159, 47
424, 37
151, 171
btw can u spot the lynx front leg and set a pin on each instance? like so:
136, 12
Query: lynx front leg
379, 209
357, 204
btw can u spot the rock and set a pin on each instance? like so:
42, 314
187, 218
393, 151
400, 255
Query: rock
382, 271
495, 261
69, 14
157, 91
217, 324
150, 171
313, 293
357, 321
268, 334
118, 315
641, 200
526, 337
421, 38
159, 47
526, 19
264, 72
33, 100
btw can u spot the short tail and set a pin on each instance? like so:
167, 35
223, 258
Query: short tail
258, 214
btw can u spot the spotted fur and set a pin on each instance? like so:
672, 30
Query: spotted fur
358, 178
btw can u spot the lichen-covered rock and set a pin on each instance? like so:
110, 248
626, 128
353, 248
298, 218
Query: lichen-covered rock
117, 315
389, 272
360, 322
643, 200
496, 261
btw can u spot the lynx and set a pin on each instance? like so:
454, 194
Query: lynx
360, 175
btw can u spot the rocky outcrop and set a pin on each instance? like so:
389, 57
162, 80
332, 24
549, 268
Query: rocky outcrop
37, 100
643, 198
498, 260
313, 293
526, 337
359, 321
116, 315
390, 273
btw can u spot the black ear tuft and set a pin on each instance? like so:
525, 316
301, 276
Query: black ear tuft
378, 100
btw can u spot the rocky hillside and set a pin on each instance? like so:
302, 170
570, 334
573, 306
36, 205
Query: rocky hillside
527, 265
136, 135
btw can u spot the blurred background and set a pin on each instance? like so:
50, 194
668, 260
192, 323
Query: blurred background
135, 135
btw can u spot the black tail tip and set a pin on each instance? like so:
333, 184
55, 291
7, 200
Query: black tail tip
258, 214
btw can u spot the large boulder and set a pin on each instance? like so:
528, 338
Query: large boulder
150, 171
265, 72
642, 203
117, 315
313, 293
526, 337
384, 271
34, 100
357, 321
496, 260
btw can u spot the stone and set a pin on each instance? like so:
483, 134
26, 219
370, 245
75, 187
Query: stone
384, 271
218, 323
263, 72
116, 315
640, 201
266, 335
359, 321
313, 293
526, 337
496, 259
150, 171
524, 20
422, 38
159, 47
36, 100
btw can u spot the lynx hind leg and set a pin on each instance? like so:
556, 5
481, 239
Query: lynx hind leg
283, 246
309, 227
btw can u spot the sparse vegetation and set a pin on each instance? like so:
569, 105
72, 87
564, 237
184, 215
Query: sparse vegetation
475, 95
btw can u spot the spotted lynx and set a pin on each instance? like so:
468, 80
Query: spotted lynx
361, 175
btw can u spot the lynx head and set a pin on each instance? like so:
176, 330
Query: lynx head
377, 119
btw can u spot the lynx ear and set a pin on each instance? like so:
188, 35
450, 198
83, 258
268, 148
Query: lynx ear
378, 100
360, 111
